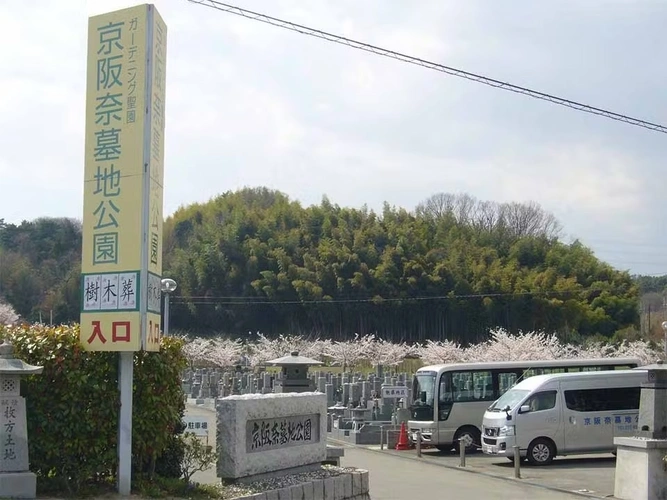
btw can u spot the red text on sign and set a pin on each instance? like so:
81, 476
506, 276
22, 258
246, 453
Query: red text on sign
97, 332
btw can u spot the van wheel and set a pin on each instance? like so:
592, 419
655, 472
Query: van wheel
470, 437
541, 452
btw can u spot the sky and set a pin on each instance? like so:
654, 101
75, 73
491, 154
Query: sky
249, 104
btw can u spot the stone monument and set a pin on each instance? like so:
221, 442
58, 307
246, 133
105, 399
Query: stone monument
260, 434
641, 472
16, 480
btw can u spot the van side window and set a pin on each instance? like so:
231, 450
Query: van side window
607, 399
545, 400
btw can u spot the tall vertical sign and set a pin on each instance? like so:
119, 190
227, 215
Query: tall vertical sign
124, 171
121, 266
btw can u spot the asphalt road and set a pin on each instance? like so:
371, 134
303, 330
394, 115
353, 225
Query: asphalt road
395, 477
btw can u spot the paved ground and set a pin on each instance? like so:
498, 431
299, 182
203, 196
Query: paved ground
400, 475
590, 474
395, 477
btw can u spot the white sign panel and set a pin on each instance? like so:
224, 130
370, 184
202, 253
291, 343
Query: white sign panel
196, 425
110, 292
394, 391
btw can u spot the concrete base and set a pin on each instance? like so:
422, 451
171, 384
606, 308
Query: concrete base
18, 485
641, 473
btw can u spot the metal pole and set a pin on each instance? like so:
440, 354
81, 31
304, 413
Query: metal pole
462, 453
664, 328
418, 443
382, 437
165, 321
517, 462
125, 376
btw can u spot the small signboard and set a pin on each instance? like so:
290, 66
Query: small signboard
394, 391
196, 425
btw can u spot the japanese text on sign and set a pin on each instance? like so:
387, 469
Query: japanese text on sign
621, 422
107, 149
9, 412
196, 425
110, 292
398, 391
121, 331
272, 433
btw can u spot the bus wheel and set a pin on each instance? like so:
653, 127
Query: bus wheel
469, 436
541, 452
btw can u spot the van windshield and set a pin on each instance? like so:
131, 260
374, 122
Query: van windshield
511, 398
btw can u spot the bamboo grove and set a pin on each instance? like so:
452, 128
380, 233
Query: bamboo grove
254, 260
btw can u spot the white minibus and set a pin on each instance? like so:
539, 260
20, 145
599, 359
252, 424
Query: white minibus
563, 414
449, 400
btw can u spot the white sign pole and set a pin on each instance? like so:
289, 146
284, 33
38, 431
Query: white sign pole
125, 377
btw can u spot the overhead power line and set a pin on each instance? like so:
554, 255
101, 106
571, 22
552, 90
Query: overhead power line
256, 16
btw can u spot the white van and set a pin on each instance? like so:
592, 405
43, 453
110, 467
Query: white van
563, 414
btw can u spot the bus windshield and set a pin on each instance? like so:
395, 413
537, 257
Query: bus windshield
511, 398
423, 390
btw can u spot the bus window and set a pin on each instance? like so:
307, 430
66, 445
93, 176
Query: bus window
472, 386
505, 381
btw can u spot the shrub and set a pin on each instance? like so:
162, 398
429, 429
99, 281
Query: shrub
197, 456
73, 405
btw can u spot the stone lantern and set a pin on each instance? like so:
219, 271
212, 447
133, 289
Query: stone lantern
16, 480
294, 373
641, 464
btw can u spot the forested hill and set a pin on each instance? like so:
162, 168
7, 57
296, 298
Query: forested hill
253, 260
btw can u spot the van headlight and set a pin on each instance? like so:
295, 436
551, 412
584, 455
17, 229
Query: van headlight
506, 430
427, 431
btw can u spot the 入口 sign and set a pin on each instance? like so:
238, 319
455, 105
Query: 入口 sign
123, 181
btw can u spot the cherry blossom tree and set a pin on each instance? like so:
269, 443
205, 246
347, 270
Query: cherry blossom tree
196, 350
503, 346
639, 349
382, 352
8, 315
350, 353
224, 353
436, 352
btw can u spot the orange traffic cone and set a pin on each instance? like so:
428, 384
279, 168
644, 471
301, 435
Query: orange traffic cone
403, 443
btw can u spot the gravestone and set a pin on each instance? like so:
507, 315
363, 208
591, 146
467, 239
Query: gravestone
345, 395
16, 480
330, 394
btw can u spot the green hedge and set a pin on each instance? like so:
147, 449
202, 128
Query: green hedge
73, 405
